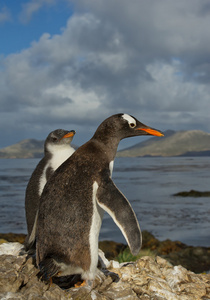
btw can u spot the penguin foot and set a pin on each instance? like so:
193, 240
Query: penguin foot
86, 283
51, 279
80, 284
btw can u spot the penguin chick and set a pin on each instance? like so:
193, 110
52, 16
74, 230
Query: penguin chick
75, 198
57, 149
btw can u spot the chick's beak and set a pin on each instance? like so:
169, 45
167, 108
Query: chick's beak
151, 131
69, 134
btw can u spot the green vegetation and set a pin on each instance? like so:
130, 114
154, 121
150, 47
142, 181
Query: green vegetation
127, 256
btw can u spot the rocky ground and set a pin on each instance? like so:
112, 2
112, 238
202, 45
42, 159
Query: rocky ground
196, 259
166, 274
147, 278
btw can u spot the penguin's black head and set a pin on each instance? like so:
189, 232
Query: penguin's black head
132, 127
59, 137
121, 126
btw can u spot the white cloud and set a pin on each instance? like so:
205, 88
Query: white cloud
146, 58
5, 15
31, 7
76, 103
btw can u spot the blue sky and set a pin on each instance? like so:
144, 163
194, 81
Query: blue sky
72, 63
21, 26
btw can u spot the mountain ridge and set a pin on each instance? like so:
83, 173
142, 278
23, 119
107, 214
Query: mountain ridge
174, 143
28, 148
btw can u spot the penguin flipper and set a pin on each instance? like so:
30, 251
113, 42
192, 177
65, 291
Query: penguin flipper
118, 207
30, 248
30, 241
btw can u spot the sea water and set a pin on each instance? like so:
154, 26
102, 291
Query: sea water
149, 183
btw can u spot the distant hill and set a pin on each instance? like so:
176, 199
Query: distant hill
180, 143
29, 148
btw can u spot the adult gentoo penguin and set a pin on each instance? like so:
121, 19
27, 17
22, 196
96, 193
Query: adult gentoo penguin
75, 197
57, 149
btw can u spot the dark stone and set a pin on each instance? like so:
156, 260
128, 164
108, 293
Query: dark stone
196, 259
193, 193
111, 249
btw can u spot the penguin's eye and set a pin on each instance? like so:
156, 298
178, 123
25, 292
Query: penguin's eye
132, 125
54, 139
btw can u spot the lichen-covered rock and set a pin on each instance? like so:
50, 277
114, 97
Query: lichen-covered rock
158, 279
11, 277
147, 278
11, 248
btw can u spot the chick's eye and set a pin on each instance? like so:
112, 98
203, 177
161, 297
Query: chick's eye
54, 139
132, 125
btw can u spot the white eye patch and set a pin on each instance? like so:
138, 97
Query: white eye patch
129, 119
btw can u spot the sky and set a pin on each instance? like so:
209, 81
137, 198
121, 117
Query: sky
72, 63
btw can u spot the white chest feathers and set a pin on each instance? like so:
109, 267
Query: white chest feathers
111, 165
59, 155
94, 232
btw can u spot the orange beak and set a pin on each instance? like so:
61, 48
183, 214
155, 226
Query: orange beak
151, 131
69, 134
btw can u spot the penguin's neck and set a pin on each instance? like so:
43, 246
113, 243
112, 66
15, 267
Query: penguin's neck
109, 146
